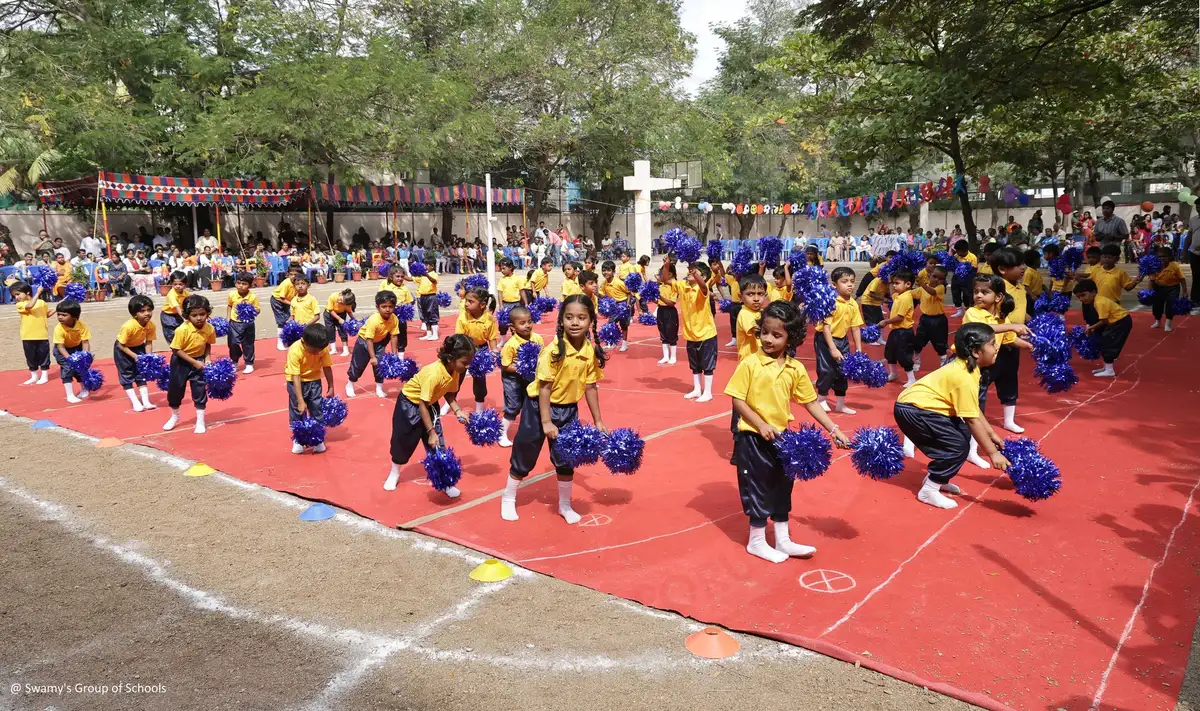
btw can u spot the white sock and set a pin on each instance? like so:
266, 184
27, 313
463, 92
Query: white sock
674, 349
505, 426
33, 374
707, 395
137, 406
145, 393
379, 391
319, 448
349, 389
1106, 372
83, 392
757, 546
478, 408
173, 420
732, 343
974, 458
45, 377
393, 478
910, 449
70, 388
508, 500
891, 369
346, 350
433, 333
297, 448
841, 406
333, 349
916, 365
666, 356
1169, 327
696, 390
564, 502
911, 378
200, 429
399, 354
783, 543
949, 488
1010, 424
279, 345
931, 494
452, 492
445, 408
823, 402
624, 345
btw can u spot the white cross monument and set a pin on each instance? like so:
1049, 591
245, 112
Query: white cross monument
641, 183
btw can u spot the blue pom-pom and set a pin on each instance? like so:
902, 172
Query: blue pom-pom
483, 363
1057, 268
220, 325
946, 259
1055, 377
526, 360
417, 269
44, 277
308, 431
92, 380
383, 269
647, 319
76, 292
726, 305
535, 314
219, 377
621, 311
1145, 297
484, 428
610, 334
878, 452
688, 250
770, 249
79, 362
503, 318
393, 367
351, 326
1073, 258
816, 291
150, 366
714, 249
859, 368
1033, 475
476, 281
649, 292
870, 333
1052, 302
633, 282
443, 299
442, 468
742, 259
1052, 353
578, 444
606, 305
1085, 344
1181, 306
163, 381
406, 312
963, 272
914, 259
805, 453
1149, 264
545, 304
672, 236
334, 411
246, 312
623, 450
291, 332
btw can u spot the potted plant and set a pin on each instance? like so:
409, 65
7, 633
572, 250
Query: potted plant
216, 284
339, 267
260, 273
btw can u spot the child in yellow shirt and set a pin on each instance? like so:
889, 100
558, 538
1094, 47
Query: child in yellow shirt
477, 321
190, 349
666, 314
515, 386
1168, 284
427, 295
135, 338
899, 348
615, 288
1112, 323
699, 329
306, 309
832, 342
240, 338
35, 335
340, 307
171, 316
380, 329
71, 335
934, 327
281, 302
307, 361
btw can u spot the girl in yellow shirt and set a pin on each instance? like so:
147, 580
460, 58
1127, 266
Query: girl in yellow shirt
190, 349
135, 338
171, 316
340, 307
993, 307
666, 314
940, 415
477, 322
1167, 284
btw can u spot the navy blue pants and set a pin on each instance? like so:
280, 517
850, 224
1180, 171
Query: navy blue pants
127, 372
408, 430
241, 341
702, 356
37, 354
360, 357
429, 309
899, 348
314, 400
335, 329
933, 329
169, 322
184, 373
281, 311
765, 490
945, 440
668, 324
64, 370
1113, 337
829, 371
515, 394
527, 444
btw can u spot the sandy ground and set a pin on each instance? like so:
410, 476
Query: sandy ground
128, 585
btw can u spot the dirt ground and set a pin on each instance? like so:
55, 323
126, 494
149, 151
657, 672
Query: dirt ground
128, 585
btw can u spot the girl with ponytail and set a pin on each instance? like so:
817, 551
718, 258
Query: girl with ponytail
477, 322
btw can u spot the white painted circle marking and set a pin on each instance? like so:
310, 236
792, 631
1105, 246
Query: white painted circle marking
826, 581
421, 482
595, 520
1069, 402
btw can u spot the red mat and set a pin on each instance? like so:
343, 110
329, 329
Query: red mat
1088, 598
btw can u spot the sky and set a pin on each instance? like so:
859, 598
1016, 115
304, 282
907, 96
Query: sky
697, 16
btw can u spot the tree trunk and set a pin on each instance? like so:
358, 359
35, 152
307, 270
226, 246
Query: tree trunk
782, 226
602, 220
541, 185
964, 198
745, 225
1093, 179
447, 223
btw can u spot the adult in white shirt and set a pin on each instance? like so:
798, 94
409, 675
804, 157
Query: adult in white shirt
207, 240
91, 245
161, 240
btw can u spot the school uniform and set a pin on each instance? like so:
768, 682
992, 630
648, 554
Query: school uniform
35, 333
699, 329
570, 287
978, 315
899, 346
280, 302
667, 315
866, 281
70, 338
932, 413
1115, 331
193, 342
624, 269
962, 290
133, 336
343, 311
509, 289
746, 332
429, 385
778, 293
172, 314
427, 295
569, 378
310, 367
768, 387
1031, 280
305, 309
482, 331
1005, 373
616, 290
1166, 290
1089, 311
515, 387
240, 337
374, 334
1111, 283
872, 301
933, 327
829, 371
538, 282
735, 295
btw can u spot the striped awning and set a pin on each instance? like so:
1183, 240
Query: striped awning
134, 189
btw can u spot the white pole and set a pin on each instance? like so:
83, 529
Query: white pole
195, 228
491, 248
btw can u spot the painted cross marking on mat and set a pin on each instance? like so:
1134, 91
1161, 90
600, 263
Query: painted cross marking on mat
826, 581
595, 520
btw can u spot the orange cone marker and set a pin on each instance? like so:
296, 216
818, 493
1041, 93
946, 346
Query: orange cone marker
712, 643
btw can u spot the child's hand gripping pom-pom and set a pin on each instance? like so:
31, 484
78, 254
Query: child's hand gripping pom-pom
878, 452
1033, 475
308, 431
805, 453
526, 360
1148, 265
442, 468
579, 444
246, 312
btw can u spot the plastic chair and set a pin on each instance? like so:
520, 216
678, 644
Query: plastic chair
788, 243
5, 274
278, 267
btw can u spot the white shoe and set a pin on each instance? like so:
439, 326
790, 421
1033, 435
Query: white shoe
951, 489
349, 389
505, 441
248, 370
73, 400
170, 425
845, 410
453, 492
297, 448
1168, 328
704, 398
916, 365
910, 449
199, 428
379, 392
33, 379
43, 380
731, 344
1098, 371
345, 350
1154, 325
692, 395
823, 403
319, 448
137, 407
978, 461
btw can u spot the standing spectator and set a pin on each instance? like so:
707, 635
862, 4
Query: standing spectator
91, 245
207, 241
1110, 229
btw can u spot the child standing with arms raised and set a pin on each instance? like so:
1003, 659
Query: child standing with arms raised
34, 332
190, 347
515, 386
135, 338
699, 330
567, 372
241, 333
832, 342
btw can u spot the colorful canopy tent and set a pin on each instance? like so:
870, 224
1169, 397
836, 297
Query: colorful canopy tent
128, 188
333, 195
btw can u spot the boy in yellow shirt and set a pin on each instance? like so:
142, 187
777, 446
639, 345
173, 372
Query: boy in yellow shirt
135, 338
306, 309
171, 316
960, 288
71, 335
190, 349
615, 289
832, 342
380, 329
281, 302
872, 304
666, 314
1168, 283
35, 335
427, 296
699, 329
899, 348
340, 307
307, 361
934, 327
541, 277
515, 386
1112, 322
570, 284
509, 285
240, 338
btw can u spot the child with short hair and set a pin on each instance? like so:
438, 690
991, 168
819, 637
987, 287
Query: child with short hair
781, 288
395, 283
1112, 325
1052, 252
240, 337
171, 317
763, 388
427, 294
540, 278
281, 302
960, 288
899, 348
1168, 283
380, 329
745, 329
699, 329
509, 285
626, 267
993, 306
1009, 266
589, 287
940, 415
923, 275
515, 386
307, 361
305, 307
667, 315
35, 335
723, 285
1111, 279
71, 335
570, 285
190, 348
135, 338
989, 251
62, 268
933, 327
340, 307
872, 304
477, 321
615, 289
415, 418
567, 372
1032, 279
832, 342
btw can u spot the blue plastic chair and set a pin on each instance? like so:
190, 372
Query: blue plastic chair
6, 295
279, 267
788, 243
91, 272
156, 263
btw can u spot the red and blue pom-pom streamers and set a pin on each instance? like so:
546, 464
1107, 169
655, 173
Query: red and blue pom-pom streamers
770, 250
526, 360
1033, 475
623, 450
334, 411
859, 368
442, 468
220, 325
805, 453
291, 332
579, 444
308, 431
484, 428
219, 378
246, 312
878, 452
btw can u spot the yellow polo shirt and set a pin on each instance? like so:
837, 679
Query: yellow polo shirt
769, 387
568, 377
949, 390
